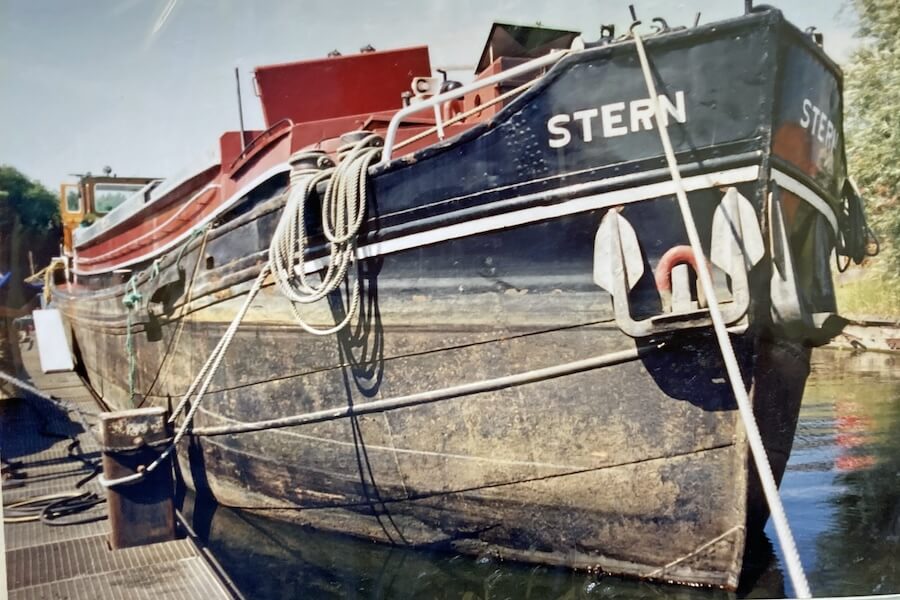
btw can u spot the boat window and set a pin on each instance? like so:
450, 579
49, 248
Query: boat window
73, 199
107, 196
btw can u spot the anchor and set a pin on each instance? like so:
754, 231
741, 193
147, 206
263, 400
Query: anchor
736, 245
787, 308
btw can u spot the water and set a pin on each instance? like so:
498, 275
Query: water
841, 492
842, 488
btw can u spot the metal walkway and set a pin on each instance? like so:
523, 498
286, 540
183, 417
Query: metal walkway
74, 561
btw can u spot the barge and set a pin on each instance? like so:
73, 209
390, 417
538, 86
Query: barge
430, 313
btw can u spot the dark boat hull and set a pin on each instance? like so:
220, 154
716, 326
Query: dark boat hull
483, 257
638, 468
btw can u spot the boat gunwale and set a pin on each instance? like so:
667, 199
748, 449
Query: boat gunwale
180, 189
769, 16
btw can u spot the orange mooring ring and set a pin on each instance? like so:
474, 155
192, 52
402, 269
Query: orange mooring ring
674, 256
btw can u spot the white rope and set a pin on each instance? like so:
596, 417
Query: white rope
343, 210
27, 387
782, 528
206, 374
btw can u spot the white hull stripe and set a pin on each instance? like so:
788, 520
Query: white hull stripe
578, 205
543, 213
806, 194
519, 217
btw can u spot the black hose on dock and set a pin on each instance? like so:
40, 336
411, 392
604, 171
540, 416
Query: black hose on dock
50, 508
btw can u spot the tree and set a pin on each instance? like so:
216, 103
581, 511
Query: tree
873, 122
36, 206
29, 220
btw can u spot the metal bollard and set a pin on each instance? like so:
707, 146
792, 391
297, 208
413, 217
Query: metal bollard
143, 512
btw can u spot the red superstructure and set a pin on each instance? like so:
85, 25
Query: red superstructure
339, 86
307, 105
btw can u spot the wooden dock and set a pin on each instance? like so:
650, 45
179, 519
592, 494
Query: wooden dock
44, 452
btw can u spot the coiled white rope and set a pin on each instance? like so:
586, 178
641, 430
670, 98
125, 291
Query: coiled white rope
757, 449
343, 210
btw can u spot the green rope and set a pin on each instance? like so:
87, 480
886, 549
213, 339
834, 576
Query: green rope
132, 301
198, 231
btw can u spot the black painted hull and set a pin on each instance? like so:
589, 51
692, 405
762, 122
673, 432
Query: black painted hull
482, 263
639, 468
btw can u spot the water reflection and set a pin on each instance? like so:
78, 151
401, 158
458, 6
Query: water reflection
268, 559
841, 492
859, 550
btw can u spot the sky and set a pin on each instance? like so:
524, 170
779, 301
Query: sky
147, 86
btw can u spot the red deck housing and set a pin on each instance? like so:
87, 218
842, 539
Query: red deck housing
315, 90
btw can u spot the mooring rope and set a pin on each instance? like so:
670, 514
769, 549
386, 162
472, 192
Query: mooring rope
65, 405
758, 450
343, 210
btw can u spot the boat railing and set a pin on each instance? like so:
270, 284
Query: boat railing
275, 132
435, 102
133, 203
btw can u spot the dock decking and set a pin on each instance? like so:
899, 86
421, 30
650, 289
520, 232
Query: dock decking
74, 561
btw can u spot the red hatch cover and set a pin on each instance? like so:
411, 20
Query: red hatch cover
315, 90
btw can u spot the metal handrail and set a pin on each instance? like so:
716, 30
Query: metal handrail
266, 136
435, 101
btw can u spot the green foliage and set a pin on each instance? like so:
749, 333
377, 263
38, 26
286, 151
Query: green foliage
29, 223
34, 205
873, 121
876, 295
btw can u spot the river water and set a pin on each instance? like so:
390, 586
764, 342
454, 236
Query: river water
841, 492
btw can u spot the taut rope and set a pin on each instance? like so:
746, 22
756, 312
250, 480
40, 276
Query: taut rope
757, 449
